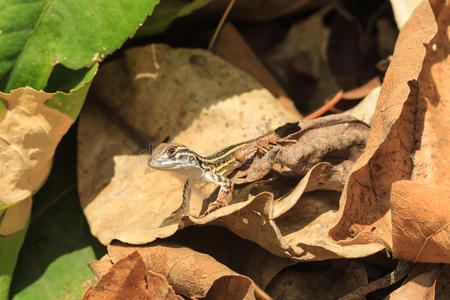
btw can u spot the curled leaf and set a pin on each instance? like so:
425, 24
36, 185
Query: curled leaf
190, 273
408, 141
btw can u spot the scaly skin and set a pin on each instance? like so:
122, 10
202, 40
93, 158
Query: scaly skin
214, 168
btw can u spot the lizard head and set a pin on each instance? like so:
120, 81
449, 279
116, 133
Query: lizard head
171, 156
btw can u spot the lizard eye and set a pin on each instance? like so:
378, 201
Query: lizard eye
170, 151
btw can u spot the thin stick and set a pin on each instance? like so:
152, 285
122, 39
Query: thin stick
402, 269
220, 25
326, 107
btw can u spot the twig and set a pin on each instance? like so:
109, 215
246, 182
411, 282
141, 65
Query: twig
220, 25
326, 107
402, 269
52, 202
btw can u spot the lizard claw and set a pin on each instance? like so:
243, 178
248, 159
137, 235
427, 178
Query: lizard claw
219, 203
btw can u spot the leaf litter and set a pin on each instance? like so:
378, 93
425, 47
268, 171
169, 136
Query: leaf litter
302, 220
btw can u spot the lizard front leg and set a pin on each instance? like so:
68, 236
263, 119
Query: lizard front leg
184, 207
225, 191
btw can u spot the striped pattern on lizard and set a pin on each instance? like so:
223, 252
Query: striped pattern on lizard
213, 168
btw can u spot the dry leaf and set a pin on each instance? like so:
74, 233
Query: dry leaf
420, 284
232, 47
15, 218
240, 255
365, 110
303, 52
123, 199
403, 9
121, 196
101, 267
29, 133
409, 134
321, 284
128, 278
363, 90
294, 225
190, 273
421, 221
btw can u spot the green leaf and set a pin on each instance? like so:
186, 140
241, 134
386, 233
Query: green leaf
166, 12
71, 101
9, 250
53, 261
36, 35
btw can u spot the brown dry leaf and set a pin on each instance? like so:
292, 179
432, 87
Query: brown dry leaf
421, 221
190, 273
15, 218
321, 284
365, 110
124, 199
363, 90
101, 267
420, 284
233, 48
153, 93
294, 225
128, 278
409, 134
337, 139
29, 133
443, 283
240, 255
303, 53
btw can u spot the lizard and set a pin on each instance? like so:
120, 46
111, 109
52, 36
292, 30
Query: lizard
213, 168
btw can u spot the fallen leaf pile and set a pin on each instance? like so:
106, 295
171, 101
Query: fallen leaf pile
346, 186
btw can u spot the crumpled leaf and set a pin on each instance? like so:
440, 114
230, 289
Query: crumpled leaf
403, 9
365, 110
240, 255
329, 283
337, 139
420, 284
128, 278
304, 52
408, 141
233, 48
122, 197
190, 273
30, 130
15, 218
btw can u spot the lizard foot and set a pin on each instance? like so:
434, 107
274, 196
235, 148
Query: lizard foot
178, 213
220, 202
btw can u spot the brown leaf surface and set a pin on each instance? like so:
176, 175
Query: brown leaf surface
409, 134
29, 133
421, 221
123, 199
329, 283
233, 48
128, 278
420, 284
15, 218
303, 53
121, 196
193, 274
240, 255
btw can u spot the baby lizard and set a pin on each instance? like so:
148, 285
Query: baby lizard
213, 168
